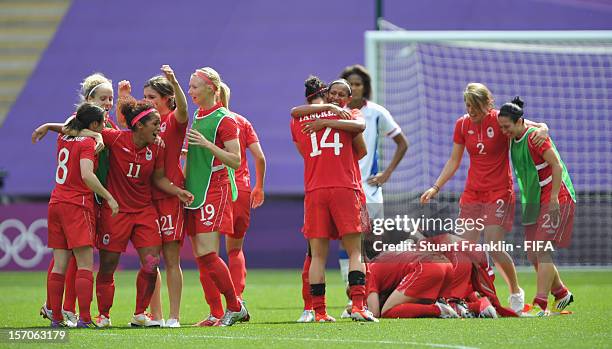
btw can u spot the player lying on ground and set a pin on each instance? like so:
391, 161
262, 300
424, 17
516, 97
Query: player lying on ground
448, 284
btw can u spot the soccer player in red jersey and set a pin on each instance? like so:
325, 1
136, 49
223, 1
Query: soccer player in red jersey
71, 215
213, 155
97, 89
136, 163
168, 98
333, 205
241, 208
315, 93
410, 283
548, 202
488, 193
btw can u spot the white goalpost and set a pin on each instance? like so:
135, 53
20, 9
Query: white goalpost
565, 79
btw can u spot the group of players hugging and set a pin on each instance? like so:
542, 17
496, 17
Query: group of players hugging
150, 179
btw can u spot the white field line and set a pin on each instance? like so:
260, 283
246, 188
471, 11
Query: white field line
294, 339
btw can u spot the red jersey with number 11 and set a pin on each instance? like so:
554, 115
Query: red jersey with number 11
131, 169
329, 161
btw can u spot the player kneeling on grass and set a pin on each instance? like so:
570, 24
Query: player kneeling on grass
71, 213
422, 283
548, 201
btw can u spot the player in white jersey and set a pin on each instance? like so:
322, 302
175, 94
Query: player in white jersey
379, 124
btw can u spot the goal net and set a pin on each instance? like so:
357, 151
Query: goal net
565, 79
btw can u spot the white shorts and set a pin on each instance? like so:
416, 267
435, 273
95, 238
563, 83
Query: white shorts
374, 200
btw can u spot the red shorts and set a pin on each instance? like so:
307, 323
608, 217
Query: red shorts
241, 209
331, 213
426, 280
70, 226
559, 231
494, 207
171, 215
142, 228
460, 283
215, 214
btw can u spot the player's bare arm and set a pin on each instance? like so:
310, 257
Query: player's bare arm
163, 183
353, 126
91, 180
401, 146
179, 95
541, 134
308, 109
257, 194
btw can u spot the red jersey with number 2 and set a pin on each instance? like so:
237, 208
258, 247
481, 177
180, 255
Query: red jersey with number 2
488, 149
131, 169
329, 161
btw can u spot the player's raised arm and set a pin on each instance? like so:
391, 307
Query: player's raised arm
179, 95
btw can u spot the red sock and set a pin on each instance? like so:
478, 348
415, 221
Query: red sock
412, 310
318, 304
49, 270
357, 293
560, 292
211, 293
541, 301
70, 292
55, 289
237, 268
145, 286
105, 292
84, 291
474, 307
220, 275
306, 284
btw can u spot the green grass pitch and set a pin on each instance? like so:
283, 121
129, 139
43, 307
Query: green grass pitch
274, 300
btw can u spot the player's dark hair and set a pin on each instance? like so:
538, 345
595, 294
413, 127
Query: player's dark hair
315, 88
363, 73
130, 108
513, 109
162, 86
86, 114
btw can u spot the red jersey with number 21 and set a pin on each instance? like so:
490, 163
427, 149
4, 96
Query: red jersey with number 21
129, 177
488, 149
329, 161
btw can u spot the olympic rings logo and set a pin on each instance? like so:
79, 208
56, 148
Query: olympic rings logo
27, 238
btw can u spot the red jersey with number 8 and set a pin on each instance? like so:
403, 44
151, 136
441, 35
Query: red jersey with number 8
131, 169
69, 186
329, 161
488, 149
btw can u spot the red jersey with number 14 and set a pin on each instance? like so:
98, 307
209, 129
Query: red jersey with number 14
131, 169
488, 149
69, 186
329, 161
